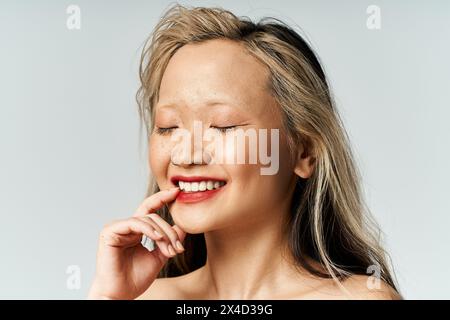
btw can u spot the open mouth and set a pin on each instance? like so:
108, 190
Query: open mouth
200, 186
197, 189
197, 184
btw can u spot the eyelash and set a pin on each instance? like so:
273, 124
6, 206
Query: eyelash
224, 129
164, 131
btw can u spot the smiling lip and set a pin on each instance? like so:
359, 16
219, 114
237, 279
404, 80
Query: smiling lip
191, 197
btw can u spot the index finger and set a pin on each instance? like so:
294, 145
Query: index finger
156, 201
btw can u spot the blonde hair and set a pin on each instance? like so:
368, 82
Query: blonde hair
329, 221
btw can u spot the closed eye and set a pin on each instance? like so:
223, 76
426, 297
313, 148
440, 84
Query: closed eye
164, 131
224, 129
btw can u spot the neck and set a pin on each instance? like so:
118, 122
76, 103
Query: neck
249, 261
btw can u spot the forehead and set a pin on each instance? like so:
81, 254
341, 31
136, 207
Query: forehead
215, 70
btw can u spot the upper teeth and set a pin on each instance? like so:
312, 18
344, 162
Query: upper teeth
200, 186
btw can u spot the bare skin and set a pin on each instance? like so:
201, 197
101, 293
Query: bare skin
246, 249
192, 287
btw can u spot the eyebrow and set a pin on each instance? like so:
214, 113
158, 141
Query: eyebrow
208, 103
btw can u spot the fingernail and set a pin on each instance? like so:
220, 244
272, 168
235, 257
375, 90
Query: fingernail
157, 234
179, 245
171, 250
171, 190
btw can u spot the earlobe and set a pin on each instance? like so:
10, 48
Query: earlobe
305, 168
305, 164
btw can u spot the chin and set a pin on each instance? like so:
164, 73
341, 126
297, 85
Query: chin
192, 221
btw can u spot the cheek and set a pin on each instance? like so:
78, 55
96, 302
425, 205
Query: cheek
158, 156
262, 190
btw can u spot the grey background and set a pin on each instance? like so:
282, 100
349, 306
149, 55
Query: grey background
70, 159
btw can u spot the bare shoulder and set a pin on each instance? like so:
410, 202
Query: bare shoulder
163, 289
356, 287
368, 288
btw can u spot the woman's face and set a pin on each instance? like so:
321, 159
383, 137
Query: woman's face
217, 84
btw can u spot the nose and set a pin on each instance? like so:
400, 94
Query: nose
189, 150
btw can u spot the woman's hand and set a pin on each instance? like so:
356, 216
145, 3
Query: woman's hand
125, 269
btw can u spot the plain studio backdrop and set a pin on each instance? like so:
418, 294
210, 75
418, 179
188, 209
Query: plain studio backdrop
69, 129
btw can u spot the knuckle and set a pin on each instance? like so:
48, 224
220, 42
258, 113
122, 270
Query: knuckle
146, 221
113, 239
106, 227
173, 235
153, 215
103, 234
136, 220
109, 225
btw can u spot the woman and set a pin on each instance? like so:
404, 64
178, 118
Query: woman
225, 230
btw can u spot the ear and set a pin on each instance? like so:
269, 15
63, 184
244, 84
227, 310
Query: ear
304, 166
